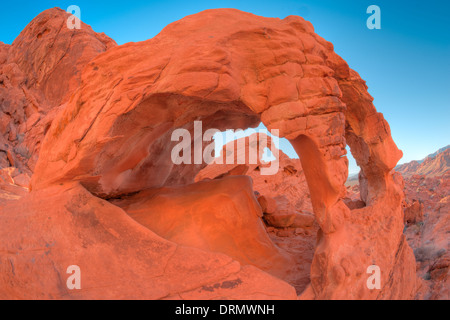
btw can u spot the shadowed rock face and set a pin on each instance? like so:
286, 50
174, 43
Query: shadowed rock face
232, 69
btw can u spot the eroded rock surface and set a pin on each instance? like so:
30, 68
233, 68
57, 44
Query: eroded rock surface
38, 73
220, 215
428, 197
427, 221
119, 258
112, 135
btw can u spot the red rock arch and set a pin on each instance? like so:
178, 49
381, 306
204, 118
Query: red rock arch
232, 69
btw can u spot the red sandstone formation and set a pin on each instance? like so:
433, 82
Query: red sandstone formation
427, 220
427, 189
287, 185
107, 113
284, 199
434, 165
38, 74
119, 258
413, 212
228, 220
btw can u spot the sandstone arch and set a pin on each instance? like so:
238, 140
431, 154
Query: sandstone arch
232, 70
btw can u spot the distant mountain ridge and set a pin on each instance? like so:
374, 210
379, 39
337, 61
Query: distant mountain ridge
433, 155
435, 164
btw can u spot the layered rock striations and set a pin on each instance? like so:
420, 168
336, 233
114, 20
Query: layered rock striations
434, 165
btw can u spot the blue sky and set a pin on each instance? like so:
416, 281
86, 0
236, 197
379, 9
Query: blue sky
406, 63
